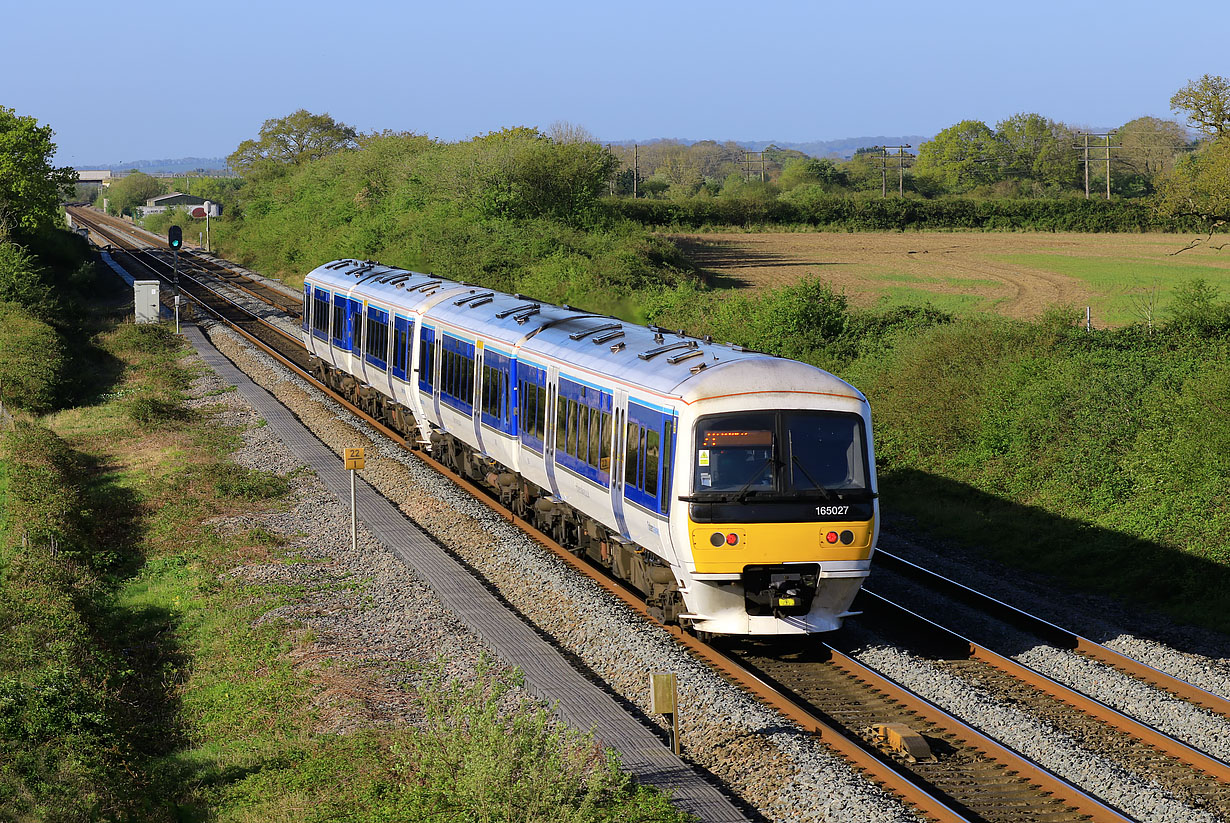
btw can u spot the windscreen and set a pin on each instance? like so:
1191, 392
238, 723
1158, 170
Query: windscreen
780, 452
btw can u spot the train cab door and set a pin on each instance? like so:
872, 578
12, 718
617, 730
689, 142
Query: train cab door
548, 438
618, 457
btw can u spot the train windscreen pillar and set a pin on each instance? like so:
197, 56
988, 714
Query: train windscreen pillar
145, 300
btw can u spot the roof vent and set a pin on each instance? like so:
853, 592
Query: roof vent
502, 314
480, 302
587, 332
608, 337
683, 344
527, 314
698, 368
679, 358
620, 346
475, 297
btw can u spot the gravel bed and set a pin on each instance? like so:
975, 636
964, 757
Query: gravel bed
780, 771
1186, 721
1133, 794
1199, 656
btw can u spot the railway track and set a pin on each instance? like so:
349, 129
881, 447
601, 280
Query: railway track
818, 687
134, 238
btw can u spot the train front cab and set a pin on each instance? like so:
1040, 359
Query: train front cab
781, 517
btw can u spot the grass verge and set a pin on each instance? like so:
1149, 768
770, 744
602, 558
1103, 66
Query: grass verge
142, 679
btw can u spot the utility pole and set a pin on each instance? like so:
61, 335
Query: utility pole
1085, 148
750, 160
1086, 165
901, 158
636, 169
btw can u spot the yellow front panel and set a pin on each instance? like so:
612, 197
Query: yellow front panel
772, 543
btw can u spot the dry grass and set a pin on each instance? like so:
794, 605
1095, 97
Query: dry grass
1016, 275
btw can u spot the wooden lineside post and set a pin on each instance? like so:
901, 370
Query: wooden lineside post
664, 699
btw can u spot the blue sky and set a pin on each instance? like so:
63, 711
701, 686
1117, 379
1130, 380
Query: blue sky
141, 80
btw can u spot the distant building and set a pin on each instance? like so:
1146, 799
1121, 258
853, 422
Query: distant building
194, 205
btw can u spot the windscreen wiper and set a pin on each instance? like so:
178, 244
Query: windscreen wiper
825, 493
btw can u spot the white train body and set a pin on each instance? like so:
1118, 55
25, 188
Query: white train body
736, 489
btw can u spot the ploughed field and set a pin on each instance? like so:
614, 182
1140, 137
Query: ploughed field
1016, 275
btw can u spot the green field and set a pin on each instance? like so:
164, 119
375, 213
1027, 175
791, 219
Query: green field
1122, 287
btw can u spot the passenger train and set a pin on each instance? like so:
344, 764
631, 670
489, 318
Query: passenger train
735, 490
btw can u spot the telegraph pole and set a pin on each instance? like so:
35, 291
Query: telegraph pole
636, 168
883, 158
1085, 147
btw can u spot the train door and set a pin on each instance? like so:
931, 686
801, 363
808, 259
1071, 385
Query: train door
548, 438
617, 461
476, 408
354, 332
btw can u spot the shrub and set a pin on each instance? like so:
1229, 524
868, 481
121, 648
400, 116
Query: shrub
33, 360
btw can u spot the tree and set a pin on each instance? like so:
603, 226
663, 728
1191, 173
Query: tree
812, 170
1149, 146
1199, 186
132, 190
1206, 102
293, 140
961, 157
30, 187
1036, 148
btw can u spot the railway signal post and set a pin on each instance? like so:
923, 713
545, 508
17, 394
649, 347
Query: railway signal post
354, 462
175, 239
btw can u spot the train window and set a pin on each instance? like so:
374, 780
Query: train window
540, 423
320, 313
307, 305
529, 409
427, 360
377, 337
632, 461
355, 329
572, 427
339, 320
401, 341
561, 422
595, 437
604, 444
495, 389
668, 447
652, 454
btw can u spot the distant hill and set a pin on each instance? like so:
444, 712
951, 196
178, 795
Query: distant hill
178, 166
843, 148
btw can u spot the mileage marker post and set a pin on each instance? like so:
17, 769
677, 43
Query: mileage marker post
355, 461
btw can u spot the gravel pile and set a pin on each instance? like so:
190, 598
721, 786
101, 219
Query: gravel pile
781, 772
1133, 794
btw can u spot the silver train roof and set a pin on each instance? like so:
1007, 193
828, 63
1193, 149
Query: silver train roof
654, 358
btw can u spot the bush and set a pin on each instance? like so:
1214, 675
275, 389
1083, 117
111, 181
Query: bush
812, 205
33, 360
471, 760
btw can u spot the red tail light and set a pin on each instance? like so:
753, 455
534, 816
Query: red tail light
831, 537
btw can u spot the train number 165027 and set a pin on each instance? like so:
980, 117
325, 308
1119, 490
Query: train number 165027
828, 511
